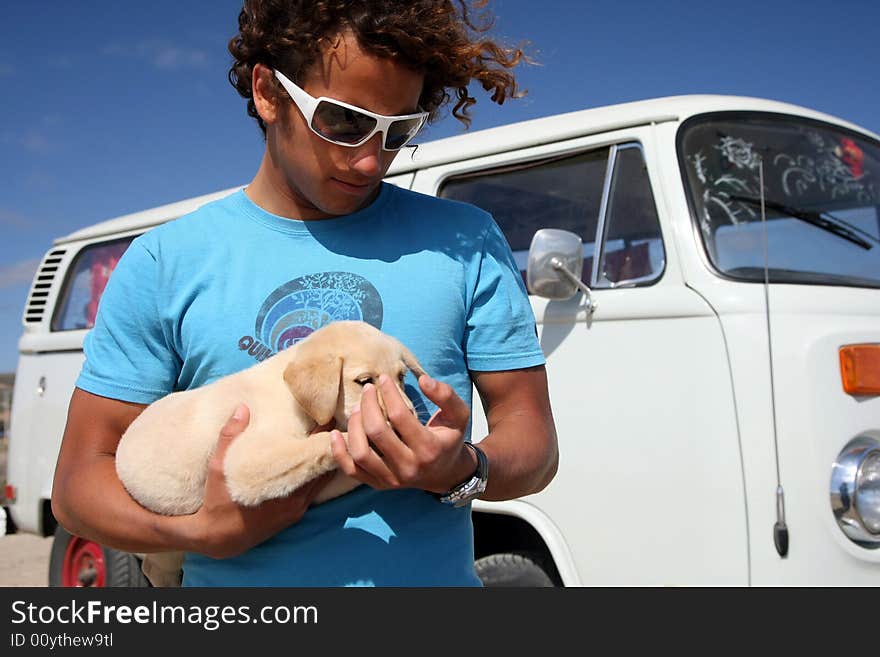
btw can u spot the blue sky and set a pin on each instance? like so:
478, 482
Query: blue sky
113, 107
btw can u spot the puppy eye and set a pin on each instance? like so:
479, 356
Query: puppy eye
364, 380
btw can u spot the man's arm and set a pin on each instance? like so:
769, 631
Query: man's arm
521, 446
89, 500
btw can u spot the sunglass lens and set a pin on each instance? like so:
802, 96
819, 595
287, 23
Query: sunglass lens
341, 124
400, 132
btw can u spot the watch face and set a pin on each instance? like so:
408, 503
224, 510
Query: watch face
465, 493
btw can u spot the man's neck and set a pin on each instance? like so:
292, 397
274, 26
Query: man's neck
272, 194
271, 191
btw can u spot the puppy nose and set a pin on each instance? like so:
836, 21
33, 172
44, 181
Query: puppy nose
326, 427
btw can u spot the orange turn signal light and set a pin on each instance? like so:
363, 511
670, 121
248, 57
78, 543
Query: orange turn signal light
860, 369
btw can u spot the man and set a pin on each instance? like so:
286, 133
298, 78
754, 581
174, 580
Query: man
338, 89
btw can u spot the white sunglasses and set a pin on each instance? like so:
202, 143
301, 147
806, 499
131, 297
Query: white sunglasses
349, 125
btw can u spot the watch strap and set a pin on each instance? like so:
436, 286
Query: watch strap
472, 487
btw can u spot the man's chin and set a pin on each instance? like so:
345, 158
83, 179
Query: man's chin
349, 189
342, 203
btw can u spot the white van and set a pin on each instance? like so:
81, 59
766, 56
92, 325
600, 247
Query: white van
708, 299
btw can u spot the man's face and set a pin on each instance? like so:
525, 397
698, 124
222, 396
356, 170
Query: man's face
326, 179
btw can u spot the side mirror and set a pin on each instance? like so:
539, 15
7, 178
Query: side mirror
554, 258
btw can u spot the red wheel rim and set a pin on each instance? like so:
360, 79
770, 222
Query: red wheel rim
83, 564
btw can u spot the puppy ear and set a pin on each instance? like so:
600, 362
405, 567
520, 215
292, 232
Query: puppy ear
412, 363
314, 381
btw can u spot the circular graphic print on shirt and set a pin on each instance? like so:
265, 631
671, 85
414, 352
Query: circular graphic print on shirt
300, 307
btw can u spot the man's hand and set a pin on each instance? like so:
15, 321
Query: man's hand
223, 528
401, 452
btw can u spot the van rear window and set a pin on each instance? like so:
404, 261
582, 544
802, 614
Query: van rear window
85, 283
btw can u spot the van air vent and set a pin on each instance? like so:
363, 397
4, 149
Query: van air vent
39, 295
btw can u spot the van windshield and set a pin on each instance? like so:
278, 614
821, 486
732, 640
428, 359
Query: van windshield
821, 197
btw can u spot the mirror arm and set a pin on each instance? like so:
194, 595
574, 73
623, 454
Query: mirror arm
557, 265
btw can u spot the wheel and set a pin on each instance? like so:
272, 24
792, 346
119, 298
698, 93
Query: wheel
512, 569
75, 561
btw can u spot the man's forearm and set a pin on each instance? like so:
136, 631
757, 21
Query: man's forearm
522, 455
91, 502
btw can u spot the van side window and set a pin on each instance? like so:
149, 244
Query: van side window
632, 250
560, 192
85, 283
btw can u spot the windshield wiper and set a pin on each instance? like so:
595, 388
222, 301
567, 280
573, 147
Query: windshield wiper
823, 220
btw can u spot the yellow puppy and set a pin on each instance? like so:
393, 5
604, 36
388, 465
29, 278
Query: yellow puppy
162, 458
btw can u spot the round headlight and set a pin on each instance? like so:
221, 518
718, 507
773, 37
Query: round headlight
868, 492
855, 490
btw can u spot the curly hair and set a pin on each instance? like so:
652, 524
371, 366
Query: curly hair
443, 39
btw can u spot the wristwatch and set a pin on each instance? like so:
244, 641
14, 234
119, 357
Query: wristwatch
473, 487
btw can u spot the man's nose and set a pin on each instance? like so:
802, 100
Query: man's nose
367, 158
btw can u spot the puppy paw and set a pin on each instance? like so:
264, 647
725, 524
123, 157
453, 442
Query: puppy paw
258, 489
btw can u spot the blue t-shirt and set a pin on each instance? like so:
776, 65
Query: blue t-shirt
230, 284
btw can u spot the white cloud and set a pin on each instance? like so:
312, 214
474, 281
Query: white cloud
161, 54
18, 273
35, 142
13, 219
31, 141
52, 120
60, 61
177, 58
40, 181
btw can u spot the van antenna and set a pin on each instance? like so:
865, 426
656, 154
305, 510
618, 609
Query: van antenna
780, 528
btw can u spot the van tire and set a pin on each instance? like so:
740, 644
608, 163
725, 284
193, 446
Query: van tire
512, 569
75, 561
